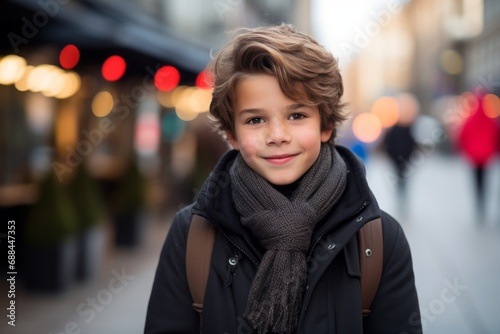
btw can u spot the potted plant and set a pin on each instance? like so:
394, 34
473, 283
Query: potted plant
87, 199
51, 229
129, 202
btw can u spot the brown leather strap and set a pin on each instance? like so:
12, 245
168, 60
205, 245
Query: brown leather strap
200, 243
201, 238
371, 253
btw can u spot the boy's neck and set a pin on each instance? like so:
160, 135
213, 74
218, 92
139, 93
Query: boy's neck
288, 189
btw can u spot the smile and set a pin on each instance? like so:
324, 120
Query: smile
280, 159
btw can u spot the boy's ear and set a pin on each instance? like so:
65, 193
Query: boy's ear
232, 140
326, 135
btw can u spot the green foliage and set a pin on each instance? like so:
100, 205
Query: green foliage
53, 218
87, 199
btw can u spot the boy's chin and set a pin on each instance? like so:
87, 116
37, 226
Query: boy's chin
282, 181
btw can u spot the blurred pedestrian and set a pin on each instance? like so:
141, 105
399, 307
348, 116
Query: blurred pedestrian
478, 140
283, 192
399, 144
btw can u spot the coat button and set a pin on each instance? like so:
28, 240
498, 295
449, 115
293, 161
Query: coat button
331, 246
233, 261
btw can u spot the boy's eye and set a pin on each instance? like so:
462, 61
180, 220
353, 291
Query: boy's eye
297, 116
254, 120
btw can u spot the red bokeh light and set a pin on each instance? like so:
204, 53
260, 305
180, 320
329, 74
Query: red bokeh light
167, 78
204, 80
69, 56
113, 68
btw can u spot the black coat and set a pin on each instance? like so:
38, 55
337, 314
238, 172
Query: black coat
332, 299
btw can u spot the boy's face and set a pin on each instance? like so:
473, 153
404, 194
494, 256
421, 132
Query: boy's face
277, 137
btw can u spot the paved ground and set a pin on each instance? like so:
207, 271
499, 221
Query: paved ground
456, 260
114, 302
455, 254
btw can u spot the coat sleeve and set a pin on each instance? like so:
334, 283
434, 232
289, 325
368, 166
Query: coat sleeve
170, 305
395, 308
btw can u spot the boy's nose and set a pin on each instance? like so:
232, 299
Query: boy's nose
278, 133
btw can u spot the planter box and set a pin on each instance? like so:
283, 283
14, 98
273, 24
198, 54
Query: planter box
50, 268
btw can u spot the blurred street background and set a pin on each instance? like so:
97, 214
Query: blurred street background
104, 135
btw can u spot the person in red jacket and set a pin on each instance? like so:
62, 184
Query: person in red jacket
478, 140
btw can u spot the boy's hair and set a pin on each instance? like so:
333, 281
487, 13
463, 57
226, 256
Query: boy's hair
306, 72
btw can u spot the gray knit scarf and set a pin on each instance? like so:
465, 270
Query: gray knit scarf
284, 228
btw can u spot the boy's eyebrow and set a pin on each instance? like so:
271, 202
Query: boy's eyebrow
295, 106
250, 111
290, 107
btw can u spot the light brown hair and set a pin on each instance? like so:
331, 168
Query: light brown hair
306, 72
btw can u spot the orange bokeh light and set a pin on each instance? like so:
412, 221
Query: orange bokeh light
386, 108
367, 127
491, 105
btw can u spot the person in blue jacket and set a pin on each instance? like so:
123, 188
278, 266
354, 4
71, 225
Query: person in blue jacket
286, 203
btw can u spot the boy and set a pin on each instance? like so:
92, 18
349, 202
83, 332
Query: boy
287, 204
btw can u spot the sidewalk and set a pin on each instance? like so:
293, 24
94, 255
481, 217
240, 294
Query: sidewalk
114, 303
456, 257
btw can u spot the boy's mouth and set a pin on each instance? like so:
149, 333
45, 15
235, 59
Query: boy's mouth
280, 158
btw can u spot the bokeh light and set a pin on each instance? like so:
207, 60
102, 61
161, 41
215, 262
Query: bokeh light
71, 86
11, 69
102, 104
69, 56
386, 108
491, 105
367, 127
204, 80
22, 84
43, 78
56, 82
167, 78
176, 95
200, 100
165, 98
185, 107
409, 108
47, 79
114, 68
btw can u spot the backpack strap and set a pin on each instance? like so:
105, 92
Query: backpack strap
200, 243
201, 238
371, 253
